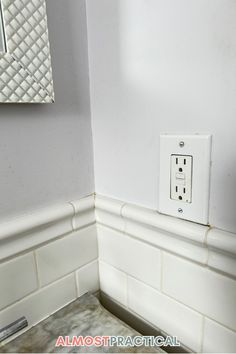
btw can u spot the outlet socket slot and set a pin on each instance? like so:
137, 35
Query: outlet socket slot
181, 178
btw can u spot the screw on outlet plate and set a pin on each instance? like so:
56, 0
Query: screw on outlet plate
180, 210
181, 144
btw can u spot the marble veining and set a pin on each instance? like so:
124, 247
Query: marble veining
84, 317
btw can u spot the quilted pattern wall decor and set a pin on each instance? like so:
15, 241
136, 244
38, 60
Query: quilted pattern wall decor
25, 67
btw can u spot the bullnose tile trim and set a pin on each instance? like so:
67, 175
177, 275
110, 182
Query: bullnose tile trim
208, 246
34, 229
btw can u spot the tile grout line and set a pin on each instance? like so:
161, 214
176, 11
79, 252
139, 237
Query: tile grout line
76, 283
123, 218
73, 216
162, 270
37, 269
171, 297
161, 248
208, 248
126, 290
35, 292
202, 333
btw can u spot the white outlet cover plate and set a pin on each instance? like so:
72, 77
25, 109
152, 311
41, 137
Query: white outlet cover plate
199, 147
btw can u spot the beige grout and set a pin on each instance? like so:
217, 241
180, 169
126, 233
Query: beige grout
161, 271
73, 216
37, 269
127, 275
202, 334
171, 297
76, 283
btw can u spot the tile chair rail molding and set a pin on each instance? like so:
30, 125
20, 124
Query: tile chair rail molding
210, 247
204, 245
34, 229
25, 61
58, 249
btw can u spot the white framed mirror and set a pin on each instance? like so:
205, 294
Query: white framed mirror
25, 61
2, 34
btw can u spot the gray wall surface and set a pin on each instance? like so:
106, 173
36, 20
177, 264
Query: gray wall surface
156, 67
46, 153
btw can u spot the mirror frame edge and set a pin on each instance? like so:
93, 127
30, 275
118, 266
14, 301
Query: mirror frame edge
32, 88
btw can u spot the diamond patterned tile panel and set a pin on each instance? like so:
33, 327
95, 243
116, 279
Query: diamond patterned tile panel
25, 71
16, 85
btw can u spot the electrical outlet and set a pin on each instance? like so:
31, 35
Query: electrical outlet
184, 187
181, 178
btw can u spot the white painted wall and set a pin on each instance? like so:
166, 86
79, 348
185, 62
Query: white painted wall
162, 66
46, 150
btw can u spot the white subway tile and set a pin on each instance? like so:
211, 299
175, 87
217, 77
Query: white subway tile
88, 278
113, 283
41, 304
218, 339
134, 257
31, 230
17, 279
165, 313
67, 254
200, 288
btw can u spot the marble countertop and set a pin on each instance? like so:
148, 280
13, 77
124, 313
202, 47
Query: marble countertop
84, 317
